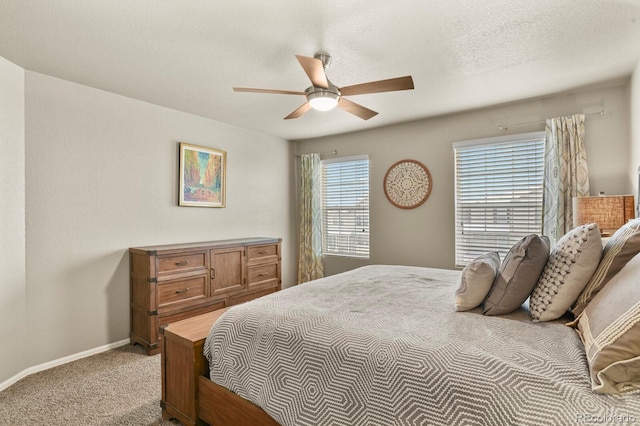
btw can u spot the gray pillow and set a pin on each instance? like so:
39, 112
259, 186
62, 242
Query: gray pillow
518, 274
476, 280
571, 264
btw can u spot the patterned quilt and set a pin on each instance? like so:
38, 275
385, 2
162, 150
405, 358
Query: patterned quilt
382, 345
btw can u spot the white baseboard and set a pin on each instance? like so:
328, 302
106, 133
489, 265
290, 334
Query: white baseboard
61, 361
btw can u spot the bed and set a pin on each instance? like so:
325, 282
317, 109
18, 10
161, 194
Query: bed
382, 345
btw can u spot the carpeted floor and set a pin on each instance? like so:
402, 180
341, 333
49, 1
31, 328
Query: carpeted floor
117, 387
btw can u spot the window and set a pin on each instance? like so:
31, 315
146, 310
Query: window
498, 193
345, 207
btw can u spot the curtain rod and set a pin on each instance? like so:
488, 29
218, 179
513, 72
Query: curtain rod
334, 152
506, 127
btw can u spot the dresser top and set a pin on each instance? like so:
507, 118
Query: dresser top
212, 244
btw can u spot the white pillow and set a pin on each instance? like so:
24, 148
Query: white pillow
571, 264
475, 281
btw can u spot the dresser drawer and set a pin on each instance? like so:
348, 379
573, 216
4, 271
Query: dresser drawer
175, 291
261, 254
184, 262
262, 273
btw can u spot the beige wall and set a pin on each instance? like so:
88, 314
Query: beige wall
425, 236
634, 113
12, 221
101, 176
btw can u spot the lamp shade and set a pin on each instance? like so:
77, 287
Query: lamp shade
323, 100
609, 212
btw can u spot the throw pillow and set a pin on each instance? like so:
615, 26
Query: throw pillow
610, 329
518, 274
623, 245
572, 262
475, 281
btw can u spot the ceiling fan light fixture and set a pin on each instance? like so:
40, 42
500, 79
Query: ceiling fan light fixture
323, 100
323, 95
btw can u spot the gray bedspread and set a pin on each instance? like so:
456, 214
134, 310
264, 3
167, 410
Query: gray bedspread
382, 345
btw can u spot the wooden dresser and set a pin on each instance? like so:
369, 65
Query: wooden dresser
176, 281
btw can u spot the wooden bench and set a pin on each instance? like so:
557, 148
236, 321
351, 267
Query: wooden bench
182, 364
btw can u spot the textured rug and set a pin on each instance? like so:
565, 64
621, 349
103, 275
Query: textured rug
117, 387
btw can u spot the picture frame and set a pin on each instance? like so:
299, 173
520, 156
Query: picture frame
407, 184
202, 176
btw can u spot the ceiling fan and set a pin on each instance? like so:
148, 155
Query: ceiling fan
323, 95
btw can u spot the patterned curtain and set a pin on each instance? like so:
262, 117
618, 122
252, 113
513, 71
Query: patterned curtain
565, 173
310, 265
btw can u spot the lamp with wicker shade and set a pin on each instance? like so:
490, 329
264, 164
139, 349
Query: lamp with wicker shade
609, 212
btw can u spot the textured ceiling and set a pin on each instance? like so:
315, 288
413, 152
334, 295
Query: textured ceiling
188, 54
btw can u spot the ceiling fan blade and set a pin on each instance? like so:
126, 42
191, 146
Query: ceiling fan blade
356, 109
277, 92
315, 70
390, 85
299, 111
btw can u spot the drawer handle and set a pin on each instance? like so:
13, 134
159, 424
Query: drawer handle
182, 291
261, 252
182, 263
263, 274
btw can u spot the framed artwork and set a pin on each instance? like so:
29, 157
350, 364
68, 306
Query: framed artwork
202, 176
407, 184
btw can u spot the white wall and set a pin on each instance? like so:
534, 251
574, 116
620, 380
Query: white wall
12, 221
425, 236
101, 176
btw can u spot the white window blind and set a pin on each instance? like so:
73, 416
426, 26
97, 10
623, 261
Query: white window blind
498, 193
345, 207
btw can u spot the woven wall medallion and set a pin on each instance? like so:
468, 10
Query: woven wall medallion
407, 184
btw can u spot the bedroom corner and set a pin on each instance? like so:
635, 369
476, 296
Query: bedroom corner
100, 172
12, 222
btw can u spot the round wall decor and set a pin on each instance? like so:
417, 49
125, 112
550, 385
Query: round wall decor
407, 184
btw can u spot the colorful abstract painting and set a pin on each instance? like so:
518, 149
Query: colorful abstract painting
202, 176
